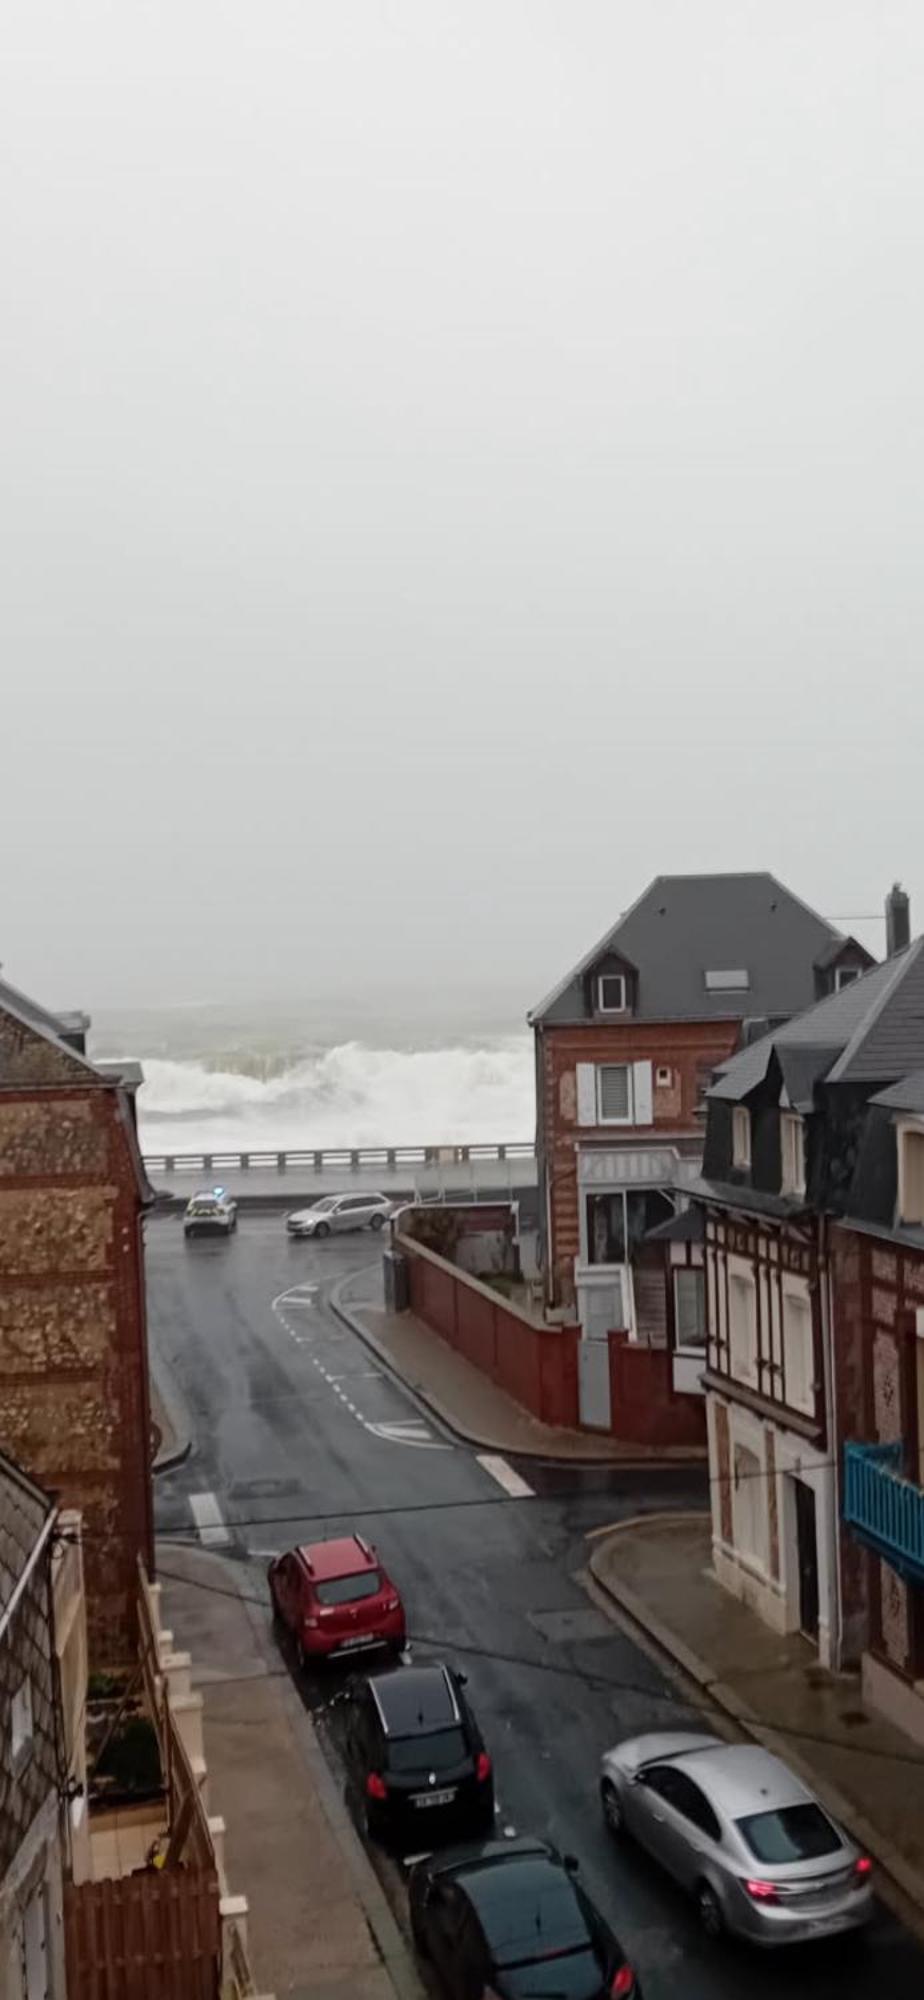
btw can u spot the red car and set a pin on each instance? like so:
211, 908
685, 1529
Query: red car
335, 1598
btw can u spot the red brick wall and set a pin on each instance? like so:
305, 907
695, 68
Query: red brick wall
74, 1407
537, 1365
686, 1047
645, 1409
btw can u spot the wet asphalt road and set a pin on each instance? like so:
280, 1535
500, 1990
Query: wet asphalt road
299, 1434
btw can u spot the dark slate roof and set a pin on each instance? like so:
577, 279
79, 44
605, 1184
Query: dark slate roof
24, 1509
750, 1201
687, 1227
685, 925
890, 1042
834, 1028
908, 1095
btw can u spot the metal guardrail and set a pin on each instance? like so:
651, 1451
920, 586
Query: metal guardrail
322, 1158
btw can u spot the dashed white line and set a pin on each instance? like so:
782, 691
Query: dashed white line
208, 1519
497, 1468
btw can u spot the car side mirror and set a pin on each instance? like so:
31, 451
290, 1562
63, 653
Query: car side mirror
572, 1864
462, 1680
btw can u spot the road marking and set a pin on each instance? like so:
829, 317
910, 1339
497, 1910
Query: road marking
415, 1435
207, 1516
498, 1469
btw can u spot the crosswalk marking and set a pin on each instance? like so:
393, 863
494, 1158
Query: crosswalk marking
498, 1469
208, 1519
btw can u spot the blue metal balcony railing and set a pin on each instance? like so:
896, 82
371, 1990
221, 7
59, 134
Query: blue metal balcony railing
884, 1508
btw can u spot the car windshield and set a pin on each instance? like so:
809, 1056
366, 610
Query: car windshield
348, 1589
326, 1202
438, 1751
792, 1833
205, 1207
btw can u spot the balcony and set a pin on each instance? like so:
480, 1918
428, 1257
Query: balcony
884, 1509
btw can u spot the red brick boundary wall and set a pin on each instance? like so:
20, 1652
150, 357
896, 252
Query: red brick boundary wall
646, 1408
537, 1365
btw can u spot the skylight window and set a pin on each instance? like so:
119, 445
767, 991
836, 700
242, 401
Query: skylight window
727, 982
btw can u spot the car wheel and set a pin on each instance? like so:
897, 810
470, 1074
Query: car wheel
612, 1808
323, 1229
709, 1910
376, 1221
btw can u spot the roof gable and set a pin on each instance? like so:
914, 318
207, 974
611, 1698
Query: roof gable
869, 1032
684, 927
33, 1054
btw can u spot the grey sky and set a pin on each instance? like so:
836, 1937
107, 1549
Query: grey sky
457, 461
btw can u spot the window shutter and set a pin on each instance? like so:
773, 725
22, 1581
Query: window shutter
586, 1094
641, 1073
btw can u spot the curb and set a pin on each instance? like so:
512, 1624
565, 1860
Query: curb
902, 1884
177, 1413
451, 1425
395, 1955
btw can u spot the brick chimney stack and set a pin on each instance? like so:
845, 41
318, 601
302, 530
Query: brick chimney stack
898, 920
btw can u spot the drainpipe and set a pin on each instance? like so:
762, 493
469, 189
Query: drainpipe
832, 1435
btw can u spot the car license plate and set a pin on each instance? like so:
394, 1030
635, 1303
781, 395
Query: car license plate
361, 1639
433, 1798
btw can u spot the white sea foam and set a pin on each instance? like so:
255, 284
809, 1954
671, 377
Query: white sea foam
349, 1095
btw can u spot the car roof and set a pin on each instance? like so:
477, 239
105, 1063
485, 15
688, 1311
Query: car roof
209, 1194
348, 1556
741, 1778
412, 1700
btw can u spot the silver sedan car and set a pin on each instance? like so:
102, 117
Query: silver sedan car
735, 1827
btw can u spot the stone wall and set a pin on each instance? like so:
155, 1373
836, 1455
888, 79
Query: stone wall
74, 1407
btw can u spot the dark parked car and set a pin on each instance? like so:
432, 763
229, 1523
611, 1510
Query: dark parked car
418, 1768
511, 1917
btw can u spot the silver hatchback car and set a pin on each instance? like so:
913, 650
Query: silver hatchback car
736, 1828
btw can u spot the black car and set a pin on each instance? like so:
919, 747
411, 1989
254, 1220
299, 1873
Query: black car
512, 1916
417, 1764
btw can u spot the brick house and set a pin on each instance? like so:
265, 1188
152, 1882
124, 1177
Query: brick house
74, 1407
805, 1346
31, 1922
877, 1264
625, 1049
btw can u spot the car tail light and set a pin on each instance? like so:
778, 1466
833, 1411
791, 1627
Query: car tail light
483, 1767
375, 1786
863, 1868
762, 1892
392, 1603
624, 1983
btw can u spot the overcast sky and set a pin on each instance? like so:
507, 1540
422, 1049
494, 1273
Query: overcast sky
458, 460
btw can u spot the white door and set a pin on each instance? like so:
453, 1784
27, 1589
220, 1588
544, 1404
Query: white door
594, 1407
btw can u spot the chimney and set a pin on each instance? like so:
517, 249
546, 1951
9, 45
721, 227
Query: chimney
898, 920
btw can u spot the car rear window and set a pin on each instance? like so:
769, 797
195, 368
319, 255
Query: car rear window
349, 1589
793, 1833
528, 1910
573, 1975
438, 1751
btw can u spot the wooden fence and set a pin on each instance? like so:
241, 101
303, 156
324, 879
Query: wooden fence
151, 1936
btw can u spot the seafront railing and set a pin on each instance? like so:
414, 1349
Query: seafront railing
320, 1159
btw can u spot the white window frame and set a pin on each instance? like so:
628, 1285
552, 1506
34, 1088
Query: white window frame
792, 1153
741, 1136
845, 975
908, 1210
743, 1355
602, 1006
686, 1271
629, 1119
664, 1076
22, 1721
797, 1296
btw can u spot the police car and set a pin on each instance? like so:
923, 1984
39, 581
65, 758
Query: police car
212, 1213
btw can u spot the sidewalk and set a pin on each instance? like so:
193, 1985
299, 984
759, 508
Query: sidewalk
318, 1921
464, 1399
869, 1774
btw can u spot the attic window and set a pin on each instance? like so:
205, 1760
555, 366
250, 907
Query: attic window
727, 982
611, 993
845, 975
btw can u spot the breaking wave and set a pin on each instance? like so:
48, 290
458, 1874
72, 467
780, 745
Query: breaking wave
350, 1095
